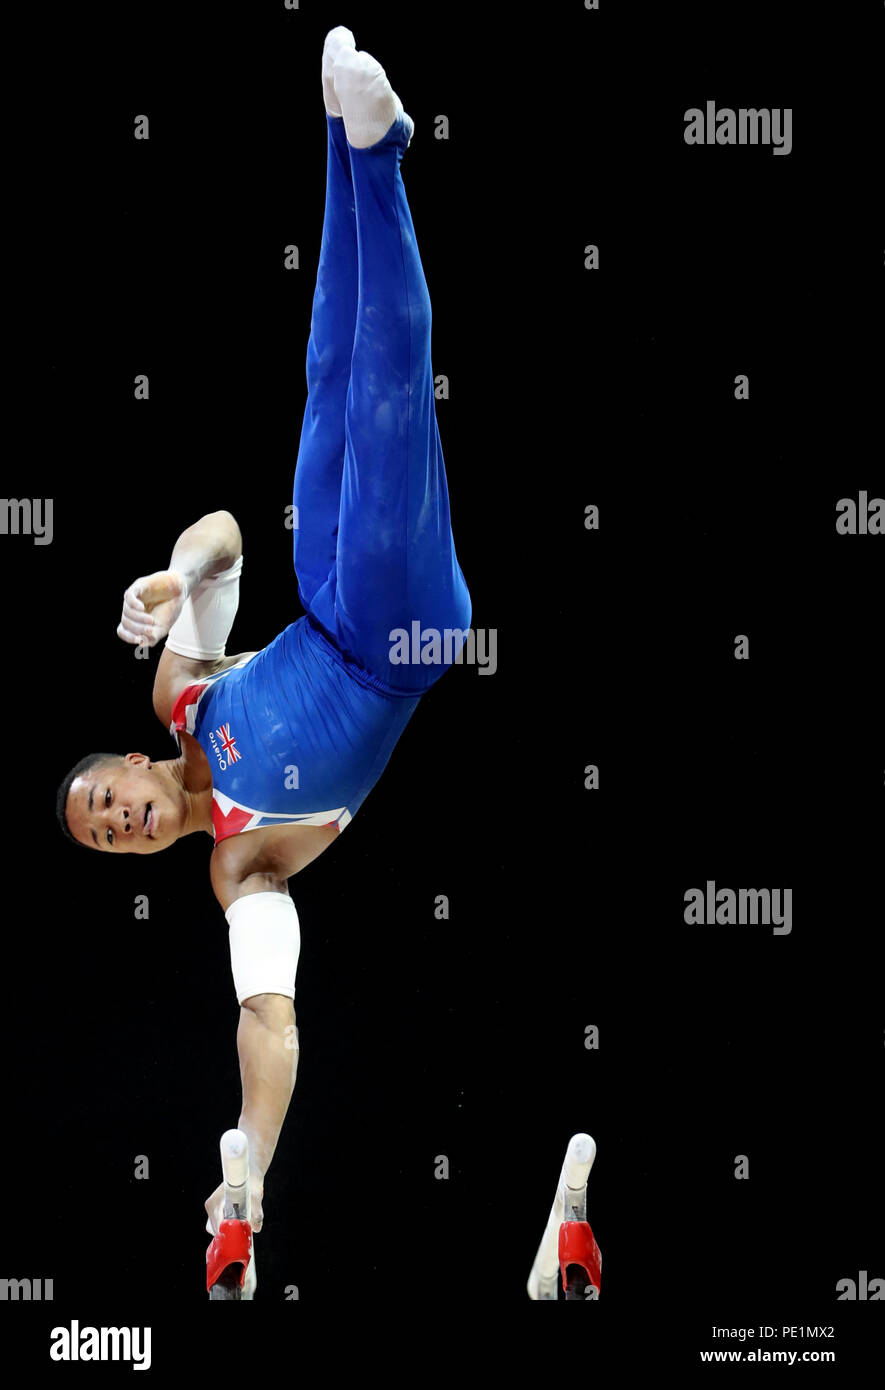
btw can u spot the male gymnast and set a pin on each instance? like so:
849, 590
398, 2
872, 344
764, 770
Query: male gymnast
279, 748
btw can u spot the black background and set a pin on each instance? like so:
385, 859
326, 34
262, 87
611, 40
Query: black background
568, 387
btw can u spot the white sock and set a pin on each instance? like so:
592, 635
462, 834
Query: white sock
368, 103
336, 39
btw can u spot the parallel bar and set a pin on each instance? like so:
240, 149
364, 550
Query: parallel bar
569, 1204
235, 1233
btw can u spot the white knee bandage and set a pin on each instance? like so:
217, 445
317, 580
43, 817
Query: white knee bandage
202, 628
265, 942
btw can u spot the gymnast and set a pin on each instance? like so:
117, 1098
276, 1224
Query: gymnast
277, 749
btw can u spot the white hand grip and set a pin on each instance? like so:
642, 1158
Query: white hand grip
578, 1160
235, 1157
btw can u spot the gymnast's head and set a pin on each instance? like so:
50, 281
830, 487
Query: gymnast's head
122, 804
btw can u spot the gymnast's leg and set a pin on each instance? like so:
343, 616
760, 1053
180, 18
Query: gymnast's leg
317, 488
396, 558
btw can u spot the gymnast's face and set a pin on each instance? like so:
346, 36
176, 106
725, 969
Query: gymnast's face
126, 806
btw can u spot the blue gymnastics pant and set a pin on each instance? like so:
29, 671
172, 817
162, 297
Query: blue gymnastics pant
373, 544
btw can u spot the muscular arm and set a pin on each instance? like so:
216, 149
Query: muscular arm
208, 548
267, 1039
211, 545
153, 602
267, 1043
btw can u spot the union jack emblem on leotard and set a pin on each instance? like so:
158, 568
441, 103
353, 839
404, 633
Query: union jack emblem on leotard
228, 744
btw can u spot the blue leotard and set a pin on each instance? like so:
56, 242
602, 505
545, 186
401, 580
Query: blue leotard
294, 734
300, 732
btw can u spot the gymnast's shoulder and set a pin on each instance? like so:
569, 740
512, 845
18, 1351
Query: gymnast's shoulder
175, 673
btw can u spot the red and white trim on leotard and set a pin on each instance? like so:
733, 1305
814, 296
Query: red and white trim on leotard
184, 711
230, 817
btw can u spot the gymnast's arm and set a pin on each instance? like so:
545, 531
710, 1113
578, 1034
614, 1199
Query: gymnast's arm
267, 1044
203, 553
207, 548
265, 943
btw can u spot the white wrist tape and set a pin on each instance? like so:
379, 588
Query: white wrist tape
202, 628
265, 943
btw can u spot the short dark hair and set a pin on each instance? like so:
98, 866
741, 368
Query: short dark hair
84, 765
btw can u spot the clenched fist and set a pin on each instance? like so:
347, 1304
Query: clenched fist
215, 1206
150, 607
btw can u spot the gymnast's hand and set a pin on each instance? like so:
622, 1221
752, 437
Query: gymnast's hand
150, 606
215, 1206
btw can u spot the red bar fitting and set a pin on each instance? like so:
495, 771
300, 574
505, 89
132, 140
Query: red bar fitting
577, 1246
232, 1244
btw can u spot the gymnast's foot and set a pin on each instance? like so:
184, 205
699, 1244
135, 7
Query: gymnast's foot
336, 39
368, 103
